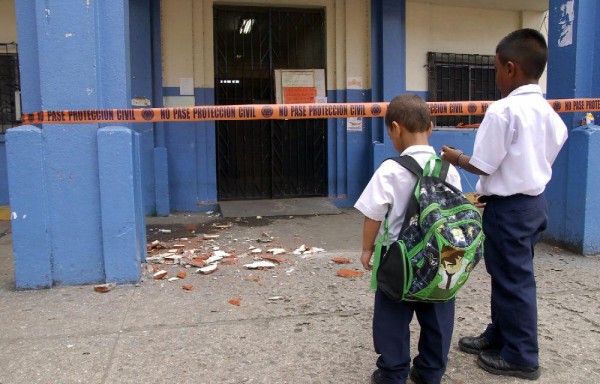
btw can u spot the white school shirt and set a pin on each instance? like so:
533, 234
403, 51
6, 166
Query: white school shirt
391, 188
517, 142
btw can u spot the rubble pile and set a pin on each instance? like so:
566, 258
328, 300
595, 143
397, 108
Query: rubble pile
205, 253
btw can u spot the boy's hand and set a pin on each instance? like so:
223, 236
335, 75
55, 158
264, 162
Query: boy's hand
365, 257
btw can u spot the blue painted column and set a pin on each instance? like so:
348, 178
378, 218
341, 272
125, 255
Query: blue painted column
389, 64
73, 55
573, 72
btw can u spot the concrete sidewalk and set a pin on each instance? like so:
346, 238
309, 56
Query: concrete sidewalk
296, 323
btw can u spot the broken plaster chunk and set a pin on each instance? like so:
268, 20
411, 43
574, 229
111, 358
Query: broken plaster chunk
223, 225
276, 251
256, 250
274, 298
174, 259
160, 274
304, 250
104, 287
208, 269
164, 230
209, 236
221, 254
260, 265
174, 278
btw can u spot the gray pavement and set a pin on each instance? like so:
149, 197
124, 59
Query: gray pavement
296, 323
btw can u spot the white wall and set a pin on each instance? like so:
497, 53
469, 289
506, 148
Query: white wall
187, 39
437, 28
8, 22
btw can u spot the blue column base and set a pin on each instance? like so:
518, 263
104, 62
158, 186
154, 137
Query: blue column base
583, 183
121, 204
28, 202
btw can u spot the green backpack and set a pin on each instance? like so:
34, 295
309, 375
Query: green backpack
440, 242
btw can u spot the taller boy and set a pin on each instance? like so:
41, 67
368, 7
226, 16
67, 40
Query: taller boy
515, 146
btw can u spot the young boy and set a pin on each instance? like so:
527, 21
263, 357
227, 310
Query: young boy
409, 125
515, 146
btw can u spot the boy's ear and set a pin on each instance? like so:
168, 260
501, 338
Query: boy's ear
511, 68
394, 127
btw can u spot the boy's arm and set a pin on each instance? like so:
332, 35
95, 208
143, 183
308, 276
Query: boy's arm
457, 158
370, 230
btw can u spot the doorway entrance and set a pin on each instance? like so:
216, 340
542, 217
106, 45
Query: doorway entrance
266, 159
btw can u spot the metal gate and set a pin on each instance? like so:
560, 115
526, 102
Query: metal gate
10, 100
267, 158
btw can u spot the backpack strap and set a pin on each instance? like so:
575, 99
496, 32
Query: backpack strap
411, 164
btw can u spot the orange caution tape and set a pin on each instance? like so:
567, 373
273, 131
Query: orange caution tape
275, 111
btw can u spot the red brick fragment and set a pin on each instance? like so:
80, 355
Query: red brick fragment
229, 260
340, 260
190, 228
252, 278
182, 274
275, 259
234, 301
187, 287
160, 275
104, 287
349, 273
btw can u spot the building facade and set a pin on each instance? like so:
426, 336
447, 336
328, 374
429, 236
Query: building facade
139, 53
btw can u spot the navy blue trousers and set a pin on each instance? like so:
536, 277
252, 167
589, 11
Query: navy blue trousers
512, 226
391, 335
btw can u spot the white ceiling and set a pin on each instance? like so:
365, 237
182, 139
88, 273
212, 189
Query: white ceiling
513, 5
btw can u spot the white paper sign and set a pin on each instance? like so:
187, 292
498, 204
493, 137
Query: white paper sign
186, 86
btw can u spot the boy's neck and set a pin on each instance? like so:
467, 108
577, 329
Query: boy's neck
420, 138
522, 82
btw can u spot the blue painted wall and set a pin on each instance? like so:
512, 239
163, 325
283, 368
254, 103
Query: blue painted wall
3, 172
140, 33
64, 210
573, 72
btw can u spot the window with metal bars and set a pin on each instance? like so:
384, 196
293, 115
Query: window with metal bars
460, 77
10, 89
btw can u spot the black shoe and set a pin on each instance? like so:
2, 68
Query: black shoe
494, 363
415, 376
378, 378
476, 345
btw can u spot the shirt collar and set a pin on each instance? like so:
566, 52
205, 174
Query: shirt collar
528, 88
418, 149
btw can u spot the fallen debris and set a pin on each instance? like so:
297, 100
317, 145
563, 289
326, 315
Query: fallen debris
340, 260
223, 225
260, 265
304, 250
187, 287
182, 274
164, 231
172, 279
160, 274
235, 301
209, 236
276, 251
275, 259
104, 287
349, 273
252, 278
208, 269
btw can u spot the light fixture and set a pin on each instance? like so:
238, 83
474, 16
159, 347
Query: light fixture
246, 26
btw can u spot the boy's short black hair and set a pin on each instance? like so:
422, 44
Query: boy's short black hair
410, 111
526, 47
